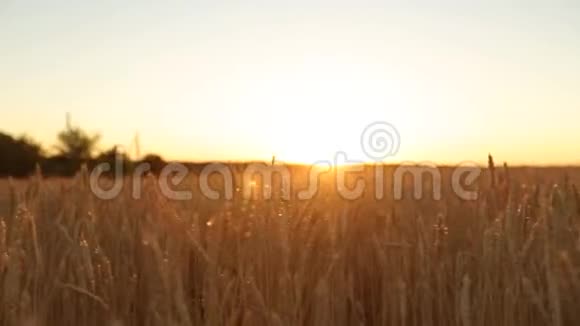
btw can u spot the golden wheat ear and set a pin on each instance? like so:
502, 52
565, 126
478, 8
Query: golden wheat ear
491, 167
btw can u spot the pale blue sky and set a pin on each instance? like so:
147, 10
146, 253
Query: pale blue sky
245, 80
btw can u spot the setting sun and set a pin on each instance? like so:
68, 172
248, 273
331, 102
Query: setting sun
291, 103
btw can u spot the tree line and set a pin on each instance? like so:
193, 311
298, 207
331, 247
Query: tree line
20, 156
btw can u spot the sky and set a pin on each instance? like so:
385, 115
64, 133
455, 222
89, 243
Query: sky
233, 80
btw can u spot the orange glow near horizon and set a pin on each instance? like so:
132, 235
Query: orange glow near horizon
299, 82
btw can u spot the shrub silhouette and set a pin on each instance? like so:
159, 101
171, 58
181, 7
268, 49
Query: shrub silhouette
157, 163
111, 156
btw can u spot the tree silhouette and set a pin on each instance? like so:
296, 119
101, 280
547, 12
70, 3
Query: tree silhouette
19, 156
76, 144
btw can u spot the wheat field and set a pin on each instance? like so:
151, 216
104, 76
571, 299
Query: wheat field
511, 257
